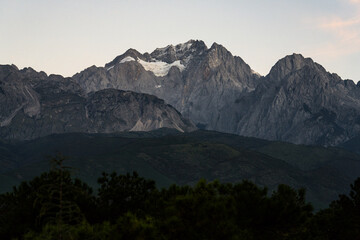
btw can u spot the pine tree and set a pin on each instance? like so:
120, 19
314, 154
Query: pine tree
56, 198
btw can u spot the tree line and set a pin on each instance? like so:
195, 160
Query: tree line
55, 205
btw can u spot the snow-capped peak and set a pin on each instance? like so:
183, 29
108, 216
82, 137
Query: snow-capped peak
172, 53
159, 68
183, 46
178, 49
127, 59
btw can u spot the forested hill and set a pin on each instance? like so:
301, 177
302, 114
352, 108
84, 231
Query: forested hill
56, 206
168, 156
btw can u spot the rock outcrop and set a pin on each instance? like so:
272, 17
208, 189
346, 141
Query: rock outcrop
33, 105
299, 102
199, 82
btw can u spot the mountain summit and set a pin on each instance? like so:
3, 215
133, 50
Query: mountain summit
298, 101
292, 63
201, 83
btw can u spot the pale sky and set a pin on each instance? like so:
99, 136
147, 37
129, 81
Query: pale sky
65, 37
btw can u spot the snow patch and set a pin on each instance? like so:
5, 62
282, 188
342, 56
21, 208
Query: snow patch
127, 59
164, 49
160, 69
183, 46
179, 49
110, 68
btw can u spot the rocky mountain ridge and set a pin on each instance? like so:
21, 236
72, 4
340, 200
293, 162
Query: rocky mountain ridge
33, 105
298, 101
197, 81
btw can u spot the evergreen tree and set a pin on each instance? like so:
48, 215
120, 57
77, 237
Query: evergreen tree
52, 198
119, 194
55, 199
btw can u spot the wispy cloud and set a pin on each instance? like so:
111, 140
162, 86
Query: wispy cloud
340, 23
345, 33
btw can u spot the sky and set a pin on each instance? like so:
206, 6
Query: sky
64, 37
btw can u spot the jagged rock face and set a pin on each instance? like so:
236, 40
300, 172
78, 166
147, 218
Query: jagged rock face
34, 105
199, 82
299, 102
15, 95
112, 110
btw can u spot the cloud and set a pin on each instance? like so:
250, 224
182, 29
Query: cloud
344, 33
340, 23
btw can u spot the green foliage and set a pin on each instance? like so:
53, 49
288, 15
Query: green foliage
342, 219
129, 226
53, 197
56, 206
79, 231
126, 227
184, 159
202, 212
119, 194
287, 214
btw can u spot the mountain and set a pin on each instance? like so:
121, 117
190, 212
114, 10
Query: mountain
33, 105
169, 156
199, 82
298, 101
